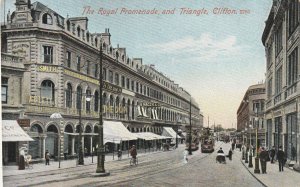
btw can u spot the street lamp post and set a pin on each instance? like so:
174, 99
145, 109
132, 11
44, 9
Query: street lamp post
256, 170
190, 139
100, 151
80, 150
250, 150
243, 150
246, 153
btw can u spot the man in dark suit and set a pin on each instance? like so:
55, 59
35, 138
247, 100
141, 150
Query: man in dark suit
263, 156
281, 158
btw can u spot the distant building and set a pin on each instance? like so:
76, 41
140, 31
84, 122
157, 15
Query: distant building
281, 38
250, 114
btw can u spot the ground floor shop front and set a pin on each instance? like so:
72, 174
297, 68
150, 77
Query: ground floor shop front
62, 138
283, 129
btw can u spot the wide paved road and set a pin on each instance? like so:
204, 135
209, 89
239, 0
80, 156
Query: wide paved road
159, 169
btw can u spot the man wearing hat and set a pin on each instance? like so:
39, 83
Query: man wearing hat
264, 157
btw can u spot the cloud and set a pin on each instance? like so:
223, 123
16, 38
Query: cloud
204, 48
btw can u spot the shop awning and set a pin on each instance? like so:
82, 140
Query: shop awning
12, 132
149, 136
168, 131
115, 131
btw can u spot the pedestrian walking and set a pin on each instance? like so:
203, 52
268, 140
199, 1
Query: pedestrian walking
264, 157
281, 158
47, 157
230, 154
119, 154
272, 154
232, 145
185, 158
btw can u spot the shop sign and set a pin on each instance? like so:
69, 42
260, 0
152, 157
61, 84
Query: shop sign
112, 88
81, 77
21, 25
48, 69
33, 99
110, 109
24, 122
150, 104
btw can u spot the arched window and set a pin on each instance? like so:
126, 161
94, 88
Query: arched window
78, 31
78, 97
88, 100
104, 46
47, 90
117, 107
69, 96
47, 19
110, 50
132, 114
127, 60
104, 103
68, 25
96, 102
117, 55
111, 104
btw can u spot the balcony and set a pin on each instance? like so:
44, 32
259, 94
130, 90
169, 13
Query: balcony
269, 103
277, 99
12, 61
291, 90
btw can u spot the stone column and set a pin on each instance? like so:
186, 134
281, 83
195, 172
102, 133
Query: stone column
44, 146
91, 146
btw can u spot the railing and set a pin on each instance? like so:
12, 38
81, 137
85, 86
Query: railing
291, 90
277, 99
12, 60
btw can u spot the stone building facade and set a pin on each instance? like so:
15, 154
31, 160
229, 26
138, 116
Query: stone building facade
61, 74
250, 114
282, 47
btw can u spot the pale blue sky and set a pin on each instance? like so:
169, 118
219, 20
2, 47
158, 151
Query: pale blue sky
215, 57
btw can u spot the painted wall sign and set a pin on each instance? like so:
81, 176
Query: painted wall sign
49, 69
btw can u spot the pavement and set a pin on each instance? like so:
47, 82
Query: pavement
54, 165
287, 178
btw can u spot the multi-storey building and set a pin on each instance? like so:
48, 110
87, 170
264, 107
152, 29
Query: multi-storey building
281, 38
60, 73
250, 114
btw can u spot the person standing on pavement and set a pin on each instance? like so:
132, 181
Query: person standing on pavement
47, 157
263, 156
230, 154
281, 158
272, 154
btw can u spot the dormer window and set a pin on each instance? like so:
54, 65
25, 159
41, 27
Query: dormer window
68, 25
137, 66
117, 55
87, 37
127, 60
47, 19
110, 50
78, 31
123, 58
96, 42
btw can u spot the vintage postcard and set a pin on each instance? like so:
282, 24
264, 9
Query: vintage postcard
150, 93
